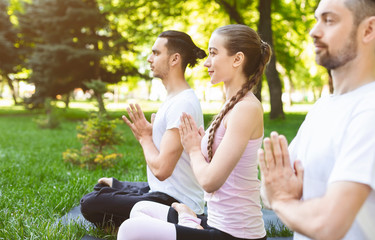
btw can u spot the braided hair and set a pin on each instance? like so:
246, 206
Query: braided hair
180, 42
241, 38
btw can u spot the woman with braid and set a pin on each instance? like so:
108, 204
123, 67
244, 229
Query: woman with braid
224, 160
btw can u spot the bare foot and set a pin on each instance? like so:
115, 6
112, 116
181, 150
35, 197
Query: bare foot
182, 209
106, 181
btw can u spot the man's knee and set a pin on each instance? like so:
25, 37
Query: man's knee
87, 205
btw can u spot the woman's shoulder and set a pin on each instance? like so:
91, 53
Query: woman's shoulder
249, 105
246, 118
248, 109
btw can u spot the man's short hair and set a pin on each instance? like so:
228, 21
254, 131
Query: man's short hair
361, 9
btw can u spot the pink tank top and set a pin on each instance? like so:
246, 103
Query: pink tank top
235, 208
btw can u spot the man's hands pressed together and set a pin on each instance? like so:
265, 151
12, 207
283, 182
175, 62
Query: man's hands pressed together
280, 182
138, 123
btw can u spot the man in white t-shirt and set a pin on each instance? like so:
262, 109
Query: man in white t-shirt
322, 187
170, 177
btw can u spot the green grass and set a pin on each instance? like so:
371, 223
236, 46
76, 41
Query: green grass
37, 187
278, 230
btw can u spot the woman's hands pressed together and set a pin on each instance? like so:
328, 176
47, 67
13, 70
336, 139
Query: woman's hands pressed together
190, 135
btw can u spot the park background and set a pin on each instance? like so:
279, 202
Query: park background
62, 62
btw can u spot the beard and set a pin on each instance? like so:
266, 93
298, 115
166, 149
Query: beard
342, 57
161, 73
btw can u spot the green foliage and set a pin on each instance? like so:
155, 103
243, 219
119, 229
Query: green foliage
73, 41
10, 59
97, 86
98, 136
66, 40
278, 230
8, 38
98, 132
292, 22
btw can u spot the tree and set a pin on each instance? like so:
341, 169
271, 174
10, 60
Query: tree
67, 40
9, 59
293, 21
117, 39
273, 79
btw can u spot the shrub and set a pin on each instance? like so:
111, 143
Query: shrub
98, 136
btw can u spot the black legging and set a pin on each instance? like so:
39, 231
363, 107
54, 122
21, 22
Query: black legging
208, 233
111, 206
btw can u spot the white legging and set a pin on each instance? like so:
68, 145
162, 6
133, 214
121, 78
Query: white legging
148, 220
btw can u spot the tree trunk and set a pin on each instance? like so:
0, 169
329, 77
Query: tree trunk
67, 100
98, 92
1, 88
232, 11
273, 79
99, 98
12, 89
258, 90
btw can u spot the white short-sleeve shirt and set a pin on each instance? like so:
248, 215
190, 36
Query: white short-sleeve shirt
336, 142
182, 184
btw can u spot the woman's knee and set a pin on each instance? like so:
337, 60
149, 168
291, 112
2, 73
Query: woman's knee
147, 209
130, 230
146, 229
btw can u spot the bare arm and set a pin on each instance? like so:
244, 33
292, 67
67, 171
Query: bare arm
163, 162
328, 217
245, 122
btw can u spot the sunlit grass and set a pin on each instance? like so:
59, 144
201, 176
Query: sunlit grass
37, 187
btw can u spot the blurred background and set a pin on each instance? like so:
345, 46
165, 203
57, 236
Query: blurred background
73, 51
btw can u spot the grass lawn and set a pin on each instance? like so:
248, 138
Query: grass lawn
37, 187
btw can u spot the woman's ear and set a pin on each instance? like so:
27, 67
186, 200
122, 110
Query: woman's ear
239, 58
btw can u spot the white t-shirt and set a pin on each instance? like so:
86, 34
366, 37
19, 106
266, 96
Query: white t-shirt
336, 142
182, 184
